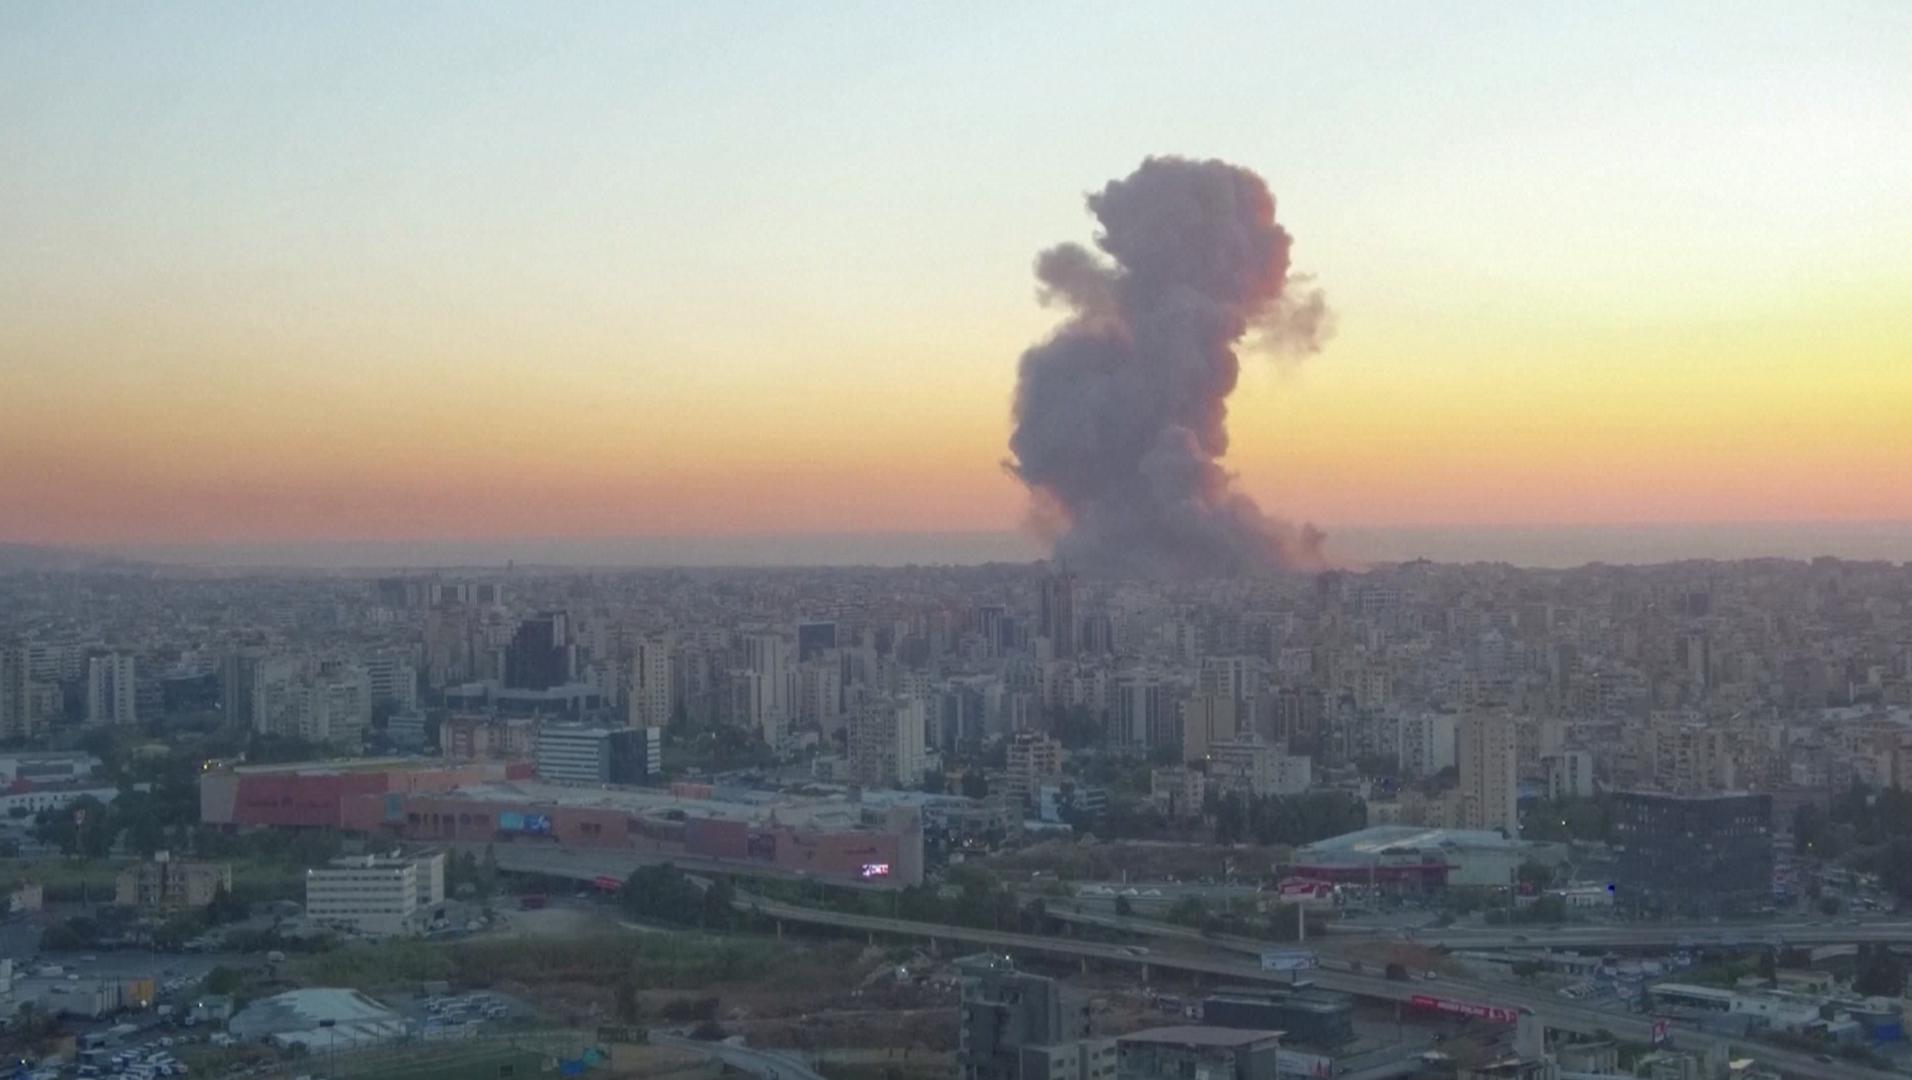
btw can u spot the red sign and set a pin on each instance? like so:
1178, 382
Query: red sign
607, 884
1659, 1032
1447, 1006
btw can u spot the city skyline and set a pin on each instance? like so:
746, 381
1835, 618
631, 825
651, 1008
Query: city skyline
288, 275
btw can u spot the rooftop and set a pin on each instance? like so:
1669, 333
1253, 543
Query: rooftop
1199, 1035
1380, 839
323, 1016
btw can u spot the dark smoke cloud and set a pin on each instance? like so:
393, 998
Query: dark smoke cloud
1121, 416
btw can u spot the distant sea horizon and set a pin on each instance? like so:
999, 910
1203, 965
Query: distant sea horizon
1538, 546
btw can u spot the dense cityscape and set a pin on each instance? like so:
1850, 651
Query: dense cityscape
1415, 819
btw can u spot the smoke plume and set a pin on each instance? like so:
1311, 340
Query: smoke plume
1121, 416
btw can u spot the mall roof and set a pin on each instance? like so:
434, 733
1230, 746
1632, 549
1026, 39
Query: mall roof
318, 1018
1381, 839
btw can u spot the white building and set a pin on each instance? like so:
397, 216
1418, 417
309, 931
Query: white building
377, 896
767, 671
109, 691
58, 797
1257, 768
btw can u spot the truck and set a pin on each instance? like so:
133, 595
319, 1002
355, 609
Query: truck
1287, 959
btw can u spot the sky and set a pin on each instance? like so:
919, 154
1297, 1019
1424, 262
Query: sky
411, 271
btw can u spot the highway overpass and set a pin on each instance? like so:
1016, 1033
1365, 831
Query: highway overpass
1548, 1008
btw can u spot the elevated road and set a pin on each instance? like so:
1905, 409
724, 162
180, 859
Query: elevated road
1894, 932
1547, 1008
762, 1064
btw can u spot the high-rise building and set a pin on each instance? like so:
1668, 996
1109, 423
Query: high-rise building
767, 697
20, 714
237, 674
1033, 757
1237, 678
540, 656
1427, 744
1056, 616
1208, 718
820, 695
1145, 712
110, 691
815, 638
393, 681
1569, 774
652, 687
886, 744
1691, 847
1489, 788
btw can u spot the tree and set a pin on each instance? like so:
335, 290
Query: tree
1535, 874
225, 907
719, 912
1879, 973
1230, 818
664, 894
975, 784
1123, 908
224, 980
934, 782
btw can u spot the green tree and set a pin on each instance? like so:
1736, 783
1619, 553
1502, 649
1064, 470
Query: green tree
975, 784
719, 912
224, 980
934, 782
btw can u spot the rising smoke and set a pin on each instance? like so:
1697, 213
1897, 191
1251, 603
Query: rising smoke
1121, 417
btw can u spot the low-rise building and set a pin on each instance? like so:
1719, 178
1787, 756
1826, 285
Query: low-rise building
1192, 1052
577, 754
168, 883
373, 895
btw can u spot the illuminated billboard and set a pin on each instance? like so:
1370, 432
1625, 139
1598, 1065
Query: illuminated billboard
875, 870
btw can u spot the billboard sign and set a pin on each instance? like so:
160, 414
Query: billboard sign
1287, 960
875, 870
510, 821
1500, 1014
1298, 1064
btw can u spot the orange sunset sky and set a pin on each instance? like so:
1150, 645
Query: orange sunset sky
406, 271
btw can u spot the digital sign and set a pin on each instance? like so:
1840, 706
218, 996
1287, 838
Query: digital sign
875, 870
530, 823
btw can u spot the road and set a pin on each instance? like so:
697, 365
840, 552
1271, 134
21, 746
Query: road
1548, 1008
1674, 935
584, 865
764, 1064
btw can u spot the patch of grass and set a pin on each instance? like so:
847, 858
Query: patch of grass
64, 878
366, 967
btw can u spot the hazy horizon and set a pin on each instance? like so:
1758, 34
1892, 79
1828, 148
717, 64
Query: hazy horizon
1538, 546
